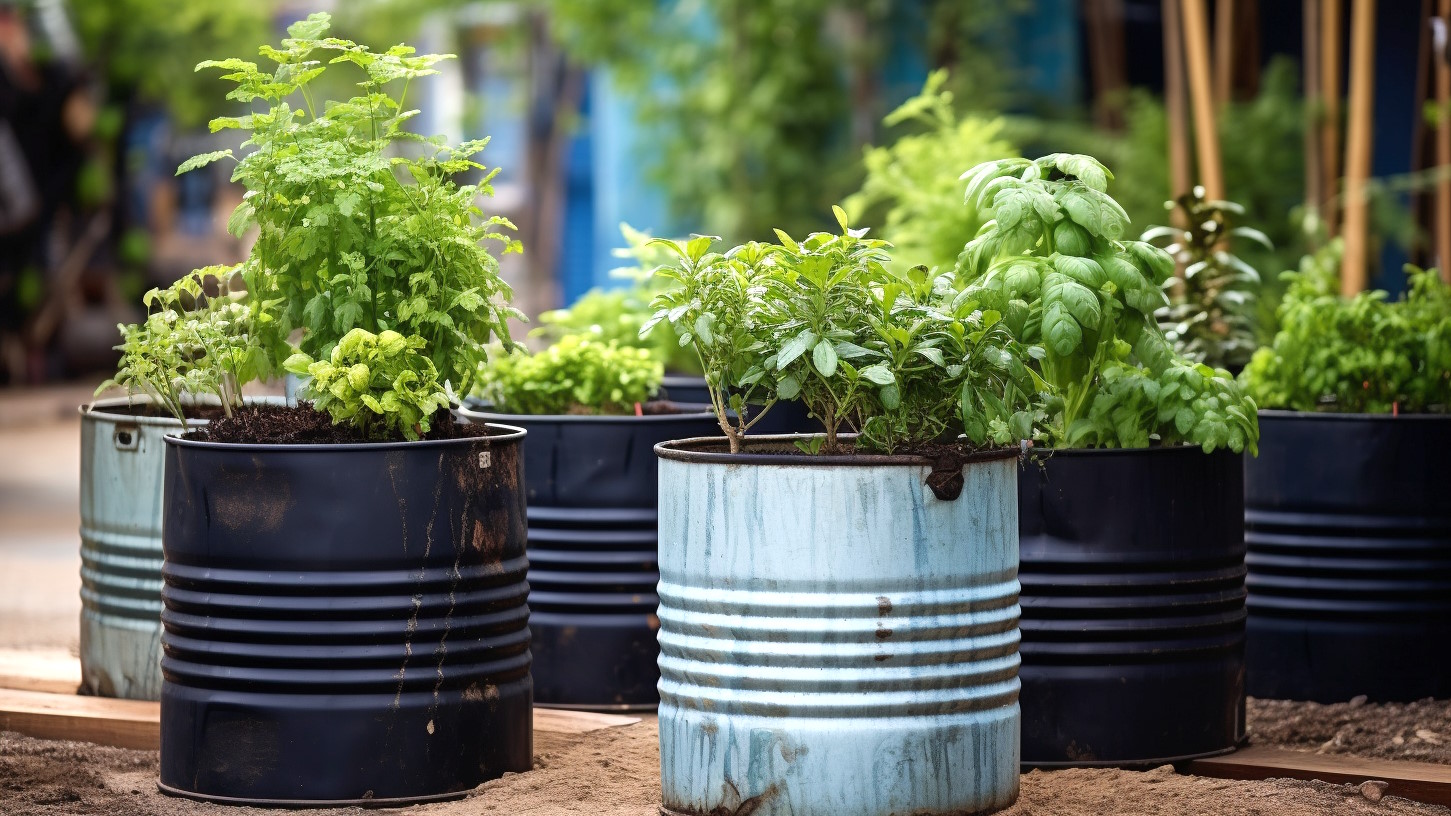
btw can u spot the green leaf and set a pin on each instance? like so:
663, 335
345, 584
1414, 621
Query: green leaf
824, 358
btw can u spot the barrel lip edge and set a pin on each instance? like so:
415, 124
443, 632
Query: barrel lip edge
512, 434
1340, 416
688, 451
498, 418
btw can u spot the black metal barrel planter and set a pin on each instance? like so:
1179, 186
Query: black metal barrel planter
1133, 605
344, 623
1348, 526
591, 483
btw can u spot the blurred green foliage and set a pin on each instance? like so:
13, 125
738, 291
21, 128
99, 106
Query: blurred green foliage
912, 187
580, 374
751, 99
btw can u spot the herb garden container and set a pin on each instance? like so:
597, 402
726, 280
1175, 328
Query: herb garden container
591, 487
1133, 605
121, 465
834, 638
344, 623
1348, 526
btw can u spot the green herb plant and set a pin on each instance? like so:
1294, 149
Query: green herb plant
190, 345
1210, 316
1365, 354
360, 223
579, 374
1050, 258
900, 359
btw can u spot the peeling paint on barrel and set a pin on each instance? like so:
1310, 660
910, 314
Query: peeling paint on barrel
835, 639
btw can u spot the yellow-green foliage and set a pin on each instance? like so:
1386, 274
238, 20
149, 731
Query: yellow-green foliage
916, 178
580, 374
380, 383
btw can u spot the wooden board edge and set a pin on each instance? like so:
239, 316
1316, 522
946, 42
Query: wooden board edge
1425, 782
137, 724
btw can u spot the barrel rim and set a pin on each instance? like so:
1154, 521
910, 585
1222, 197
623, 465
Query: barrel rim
511, 434
497, 417
1153, 450
687, 450
96, 409
1339, 416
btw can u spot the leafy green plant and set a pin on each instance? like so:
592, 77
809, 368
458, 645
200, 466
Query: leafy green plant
1366, 354
360, 222
903, 360
1050, 258
190, 345
380, 383
617, 314
579, 374
913, 182
1210, 316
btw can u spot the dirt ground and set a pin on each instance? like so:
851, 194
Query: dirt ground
1418, 731
616, 771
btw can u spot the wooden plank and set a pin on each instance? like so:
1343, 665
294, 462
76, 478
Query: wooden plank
564, 721
137, 724
1418, 781
122, 723
55, 671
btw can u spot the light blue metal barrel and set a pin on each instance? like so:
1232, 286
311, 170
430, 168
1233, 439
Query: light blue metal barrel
121, 464
835, 639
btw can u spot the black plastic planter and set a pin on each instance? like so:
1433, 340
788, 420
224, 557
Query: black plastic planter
1348, 525
344, 623
591, 485
1133, 605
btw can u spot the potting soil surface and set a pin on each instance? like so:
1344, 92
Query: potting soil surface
616, 771
1420, 731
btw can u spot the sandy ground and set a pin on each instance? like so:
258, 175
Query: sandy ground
615, 771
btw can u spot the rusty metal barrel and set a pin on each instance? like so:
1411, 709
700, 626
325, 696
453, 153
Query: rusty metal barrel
1348, 525
835, 639
121, 465
344, 624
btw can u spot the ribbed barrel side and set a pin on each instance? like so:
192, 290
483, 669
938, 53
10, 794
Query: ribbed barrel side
122, 456
1348, 525
1133, 606
836, 640
344, 623
591, 488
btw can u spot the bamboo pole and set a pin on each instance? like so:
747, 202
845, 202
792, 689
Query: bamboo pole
1353, 274
1330, 18
1314, 164
1223, 51
1442, 71
1181, 171
1201, 93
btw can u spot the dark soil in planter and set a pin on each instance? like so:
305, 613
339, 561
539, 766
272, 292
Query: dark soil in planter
615, 772
284, 425
1419, 731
